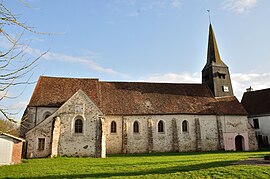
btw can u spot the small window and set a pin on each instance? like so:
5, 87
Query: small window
256, 123
78, 126
46, 115
160, 126
185, 126
221, 75
136, 127
113, 127
41, 143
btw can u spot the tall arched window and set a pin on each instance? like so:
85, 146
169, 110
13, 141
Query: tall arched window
136, 127
160, 126
113, 127
78, 126
185, 126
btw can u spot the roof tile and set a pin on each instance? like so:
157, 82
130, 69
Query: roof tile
136, 98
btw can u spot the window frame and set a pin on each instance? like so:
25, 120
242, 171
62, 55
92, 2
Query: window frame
113, 128
256, 124
41, 144
46, 115
161, 126
136, 127
185, 126
78, 128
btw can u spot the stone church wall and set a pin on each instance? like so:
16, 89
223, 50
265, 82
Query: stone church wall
136, 142
209, 133
42, 112
205, 132
35, 116
32, 137
113, 140
233, 126
70, 143
173, 139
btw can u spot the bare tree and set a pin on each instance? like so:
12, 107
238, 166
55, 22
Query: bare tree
9, 127
15, 66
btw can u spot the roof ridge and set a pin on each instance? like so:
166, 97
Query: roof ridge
149, 82
55, 77
266, 89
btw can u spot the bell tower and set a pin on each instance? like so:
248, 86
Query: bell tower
215, 73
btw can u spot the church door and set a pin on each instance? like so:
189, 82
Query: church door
239, 141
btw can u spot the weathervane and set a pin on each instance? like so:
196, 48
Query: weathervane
209, 16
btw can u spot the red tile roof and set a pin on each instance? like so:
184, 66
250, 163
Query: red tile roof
257, 102
135, 98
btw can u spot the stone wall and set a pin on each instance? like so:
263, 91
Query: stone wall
233, 126
44, 130
205, 132
34, 115
114, 140
42, 112
69, 142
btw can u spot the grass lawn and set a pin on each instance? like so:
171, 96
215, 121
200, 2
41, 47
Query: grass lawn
168, 165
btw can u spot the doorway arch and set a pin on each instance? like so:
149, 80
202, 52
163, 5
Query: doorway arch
239, 143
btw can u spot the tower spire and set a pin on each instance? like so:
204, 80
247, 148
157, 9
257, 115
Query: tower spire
213, 55
215, 73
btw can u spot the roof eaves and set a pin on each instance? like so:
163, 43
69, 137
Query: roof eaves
12, 136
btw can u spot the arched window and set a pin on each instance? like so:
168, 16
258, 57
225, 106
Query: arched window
113, 127
185, 126
136, 127
78, 126
46, 115
160, 126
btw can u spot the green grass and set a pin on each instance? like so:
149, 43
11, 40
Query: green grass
165, 165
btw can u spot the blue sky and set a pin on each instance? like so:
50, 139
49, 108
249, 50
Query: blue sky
145, 40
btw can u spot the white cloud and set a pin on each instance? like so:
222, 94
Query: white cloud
240, 81
239, 6
255, 80
82, 60
173, 78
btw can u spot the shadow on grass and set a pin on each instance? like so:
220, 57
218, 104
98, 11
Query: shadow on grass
166, 170
161, 154
179, 153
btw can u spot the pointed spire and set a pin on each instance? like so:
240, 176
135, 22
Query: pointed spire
213, 53
215, 73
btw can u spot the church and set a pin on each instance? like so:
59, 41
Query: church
89, 117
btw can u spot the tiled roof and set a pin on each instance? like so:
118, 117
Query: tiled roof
135, 98
257, 102
54, 91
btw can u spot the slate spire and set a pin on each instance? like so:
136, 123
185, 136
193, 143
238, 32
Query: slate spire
215, 73
213, 56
